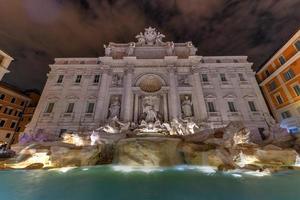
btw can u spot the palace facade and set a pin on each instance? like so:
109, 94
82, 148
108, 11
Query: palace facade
149, 80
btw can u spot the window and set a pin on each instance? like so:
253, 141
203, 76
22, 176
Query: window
2, 96
62, 131
60, 79
16, 112
49, 108
78, 78
10, 111
96, 78
22, 103
90, 108
211, 107
13, 100
289, 74
231, 106
204, 77
70, 108
20, 114
282, 60
18, 129
5, 110
241, 76
13, 124
286, 115
272, 86
279, 99
8, 135
297, 45
261, 132
223, 77
297, 90
252, 106
293, 130
2, 123
267, 73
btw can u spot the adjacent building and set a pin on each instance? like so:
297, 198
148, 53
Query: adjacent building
12, 105
149, 80
5, 60
34, 96
279, 80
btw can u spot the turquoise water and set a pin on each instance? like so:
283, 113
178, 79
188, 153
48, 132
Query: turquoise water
119, 183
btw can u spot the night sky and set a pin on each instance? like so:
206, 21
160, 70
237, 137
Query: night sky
34, 32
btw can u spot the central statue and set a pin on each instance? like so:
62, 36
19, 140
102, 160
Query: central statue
150, 106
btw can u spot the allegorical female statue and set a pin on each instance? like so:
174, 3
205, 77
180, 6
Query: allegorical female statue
114, 108
186, 107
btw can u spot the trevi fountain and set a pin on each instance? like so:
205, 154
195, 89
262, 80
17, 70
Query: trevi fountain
160, 139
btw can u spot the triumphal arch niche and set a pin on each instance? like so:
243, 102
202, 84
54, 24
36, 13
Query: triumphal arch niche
156, 78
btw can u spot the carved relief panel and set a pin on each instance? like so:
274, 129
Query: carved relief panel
117, 80
183, 80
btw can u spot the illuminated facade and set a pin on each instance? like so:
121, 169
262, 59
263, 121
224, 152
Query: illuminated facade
149, 80
12, 105
279, 79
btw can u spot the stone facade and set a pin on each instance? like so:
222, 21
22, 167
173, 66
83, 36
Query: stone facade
149, 80
5, 61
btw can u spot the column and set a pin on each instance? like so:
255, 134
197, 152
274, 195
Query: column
102, 94
128, 99
261, 101
241, 102
165, 102
173, 96
221, 103
199, 106
136, 107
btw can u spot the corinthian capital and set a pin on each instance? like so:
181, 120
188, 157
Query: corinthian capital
171, 68
129, 69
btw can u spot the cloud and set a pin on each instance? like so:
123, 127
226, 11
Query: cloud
34, 32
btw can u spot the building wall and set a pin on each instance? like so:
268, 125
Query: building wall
28, 111
284, 87
10, 112
5, 60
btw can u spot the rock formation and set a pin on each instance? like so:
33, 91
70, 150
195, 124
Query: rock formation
155, 144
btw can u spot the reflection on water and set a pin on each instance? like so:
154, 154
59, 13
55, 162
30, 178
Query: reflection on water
123, 182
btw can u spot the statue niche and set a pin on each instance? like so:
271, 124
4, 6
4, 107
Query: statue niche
150, 107
186, 106
114, 107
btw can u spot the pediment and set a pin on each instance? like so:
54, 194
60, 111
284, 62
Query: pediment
72, 97
249, 96
53, 98
230, 96
210, 96
92, 97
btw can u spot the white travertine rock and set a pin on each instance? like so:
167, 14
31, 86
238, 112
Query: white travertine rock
148, 151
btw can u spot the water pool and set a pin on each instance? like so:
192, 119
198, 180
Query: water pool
124, 183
